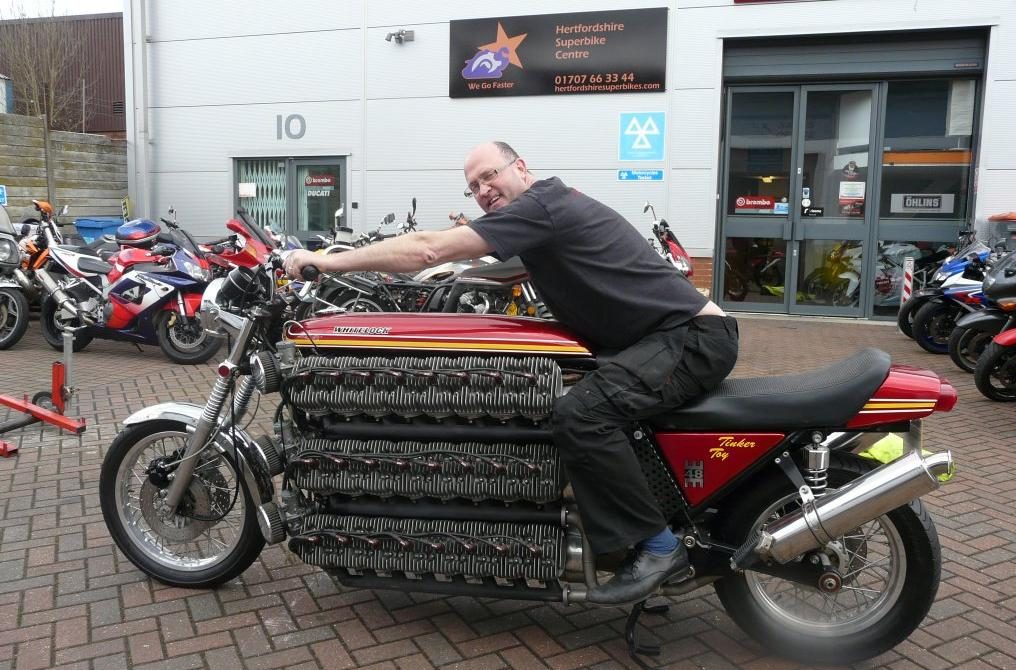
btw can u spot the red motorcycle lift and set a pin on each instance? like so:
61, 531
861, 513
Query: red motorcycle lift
56, 401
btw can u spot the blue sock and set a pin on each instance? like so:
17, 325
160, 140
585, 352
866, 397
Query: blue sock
662, 543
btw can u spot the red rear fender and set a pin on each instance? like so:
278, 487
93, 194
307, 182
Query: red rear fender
1006, 338
907, 393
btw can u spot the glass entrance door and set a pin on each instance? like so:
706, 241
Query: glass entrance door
318, 188
795, 220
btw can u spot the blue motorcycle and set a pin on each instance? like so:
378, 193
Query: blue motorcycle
954, 265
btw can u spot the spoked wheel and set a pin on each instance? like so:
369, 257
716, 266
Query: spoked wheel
966, 346
184, 340
13, 317
933, 324
212, 536
52, 323
888, 573
995, 374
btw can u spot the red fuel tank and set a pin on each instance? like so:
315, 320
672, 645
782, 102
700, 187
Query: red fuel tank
463, 333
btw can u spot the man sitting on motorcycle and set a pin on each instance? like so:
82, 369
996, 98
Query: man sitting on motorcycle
660, 342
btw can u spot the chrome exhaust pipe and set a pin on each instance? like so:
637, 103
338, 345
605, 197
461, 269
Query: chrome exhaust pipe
822, 520
23, 281
63, 301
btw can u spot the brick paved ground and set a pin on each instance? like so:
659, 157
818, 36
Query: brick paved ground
69, 599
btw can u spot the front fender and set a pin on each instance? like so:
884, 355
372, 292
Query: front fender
988, 320
231, 440
926, 292
1006, 338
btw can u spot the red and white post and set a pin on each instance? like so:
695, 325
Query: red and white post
908, 280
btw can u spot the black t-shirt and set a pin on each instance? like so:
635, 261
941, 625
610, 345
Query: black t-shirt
595, 272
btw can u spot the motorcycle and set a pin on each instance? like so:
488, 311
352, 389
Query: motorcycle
968, 248
995, 373
13, 303
416, 455
146, 295
960, 293
665, 242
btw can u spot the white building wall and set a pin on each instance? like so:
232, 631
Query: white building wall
217, 80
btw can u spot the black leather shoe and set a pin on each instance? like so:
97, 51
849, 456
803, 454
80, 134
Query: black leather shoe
640, 576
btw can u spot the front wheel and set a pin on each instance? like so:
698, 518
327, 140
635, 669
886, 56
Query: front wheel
13, 317
933, 324
890, 569
966, 346
995, 374
183, 340
905, 317
210, 538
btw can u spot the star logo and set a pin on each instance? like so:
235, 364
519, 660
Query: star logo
505, 42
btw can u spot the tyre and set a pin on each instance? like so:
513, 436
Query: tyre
210, 539
13, 317
52, 325
735, 287
905, 317
890, 567
183, 340
965, 347
995, 374
345, 299
934, 323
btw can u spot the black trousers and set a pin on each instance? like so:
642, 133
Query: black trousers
662, 371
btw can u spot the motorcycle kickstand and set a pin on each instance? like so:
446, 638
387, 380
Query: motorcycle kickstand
631, 634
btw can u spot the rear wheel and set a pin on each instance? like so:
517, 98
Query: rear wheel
13, 317
184, 340
933, 324
52, 324
890, 570
995, 374
965, 347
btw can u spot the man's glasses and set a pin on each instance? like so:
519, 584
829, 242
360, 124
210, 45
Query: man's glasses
485, 179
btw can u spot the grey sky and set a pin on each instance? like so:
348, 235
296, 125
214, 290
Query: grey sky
60, 7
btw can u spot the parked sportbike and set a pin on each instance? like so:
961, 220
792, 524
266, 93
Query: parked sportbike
995, 373
955, 264
417, 456
145, 294
665, 242
13, 303
959, 294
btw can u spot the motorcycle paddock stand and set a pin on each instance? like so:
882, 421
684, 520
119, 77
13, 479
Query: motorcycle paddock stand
58, 399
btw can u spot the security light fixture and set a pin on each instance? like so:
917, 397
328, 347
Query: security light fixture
400, 36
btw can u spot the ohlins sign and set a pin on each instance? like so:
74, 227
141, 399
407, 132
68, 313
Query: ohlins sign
551, 54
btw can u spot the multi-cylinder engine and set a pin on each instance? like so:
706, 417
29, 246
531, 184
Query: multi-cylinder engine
429, 465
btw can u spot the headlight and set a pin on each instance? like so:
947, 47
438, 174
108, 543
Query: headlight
9, 254
1007, 304
196, 271
939, 276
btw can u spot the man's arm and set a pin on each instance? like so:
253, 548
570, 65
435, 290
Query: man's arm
406, 253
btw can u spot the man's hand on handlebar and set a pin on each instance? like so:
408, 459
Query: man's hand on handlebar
296, 260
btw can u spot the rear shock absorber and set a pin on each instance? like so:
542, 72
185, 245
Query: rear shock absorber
817, 464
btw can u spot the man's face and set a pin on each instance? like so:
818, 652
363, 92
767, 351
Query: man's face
496, 183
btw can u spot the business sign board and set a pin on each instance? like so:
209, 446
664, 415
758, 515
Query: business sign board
640, 175
622, 51
922, 203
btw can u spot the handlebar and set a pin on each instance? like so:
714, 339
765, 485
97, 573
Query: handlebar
310, 272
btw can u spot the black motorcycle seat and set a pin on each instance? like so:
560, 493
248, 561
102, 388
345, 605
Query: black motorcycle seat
825, 398
89, 250
506, 271
90, 264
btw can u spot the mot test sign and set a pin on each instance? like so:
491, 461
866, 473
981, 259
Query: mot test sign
621, 51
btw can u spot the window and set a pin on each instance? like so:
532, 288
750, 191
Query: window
928, 149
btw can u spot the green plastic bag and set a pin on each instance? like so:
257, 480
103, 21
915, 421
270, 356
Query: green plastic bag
891, 447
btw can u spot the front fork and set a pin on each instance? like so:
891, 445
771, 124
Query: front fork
210, 415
